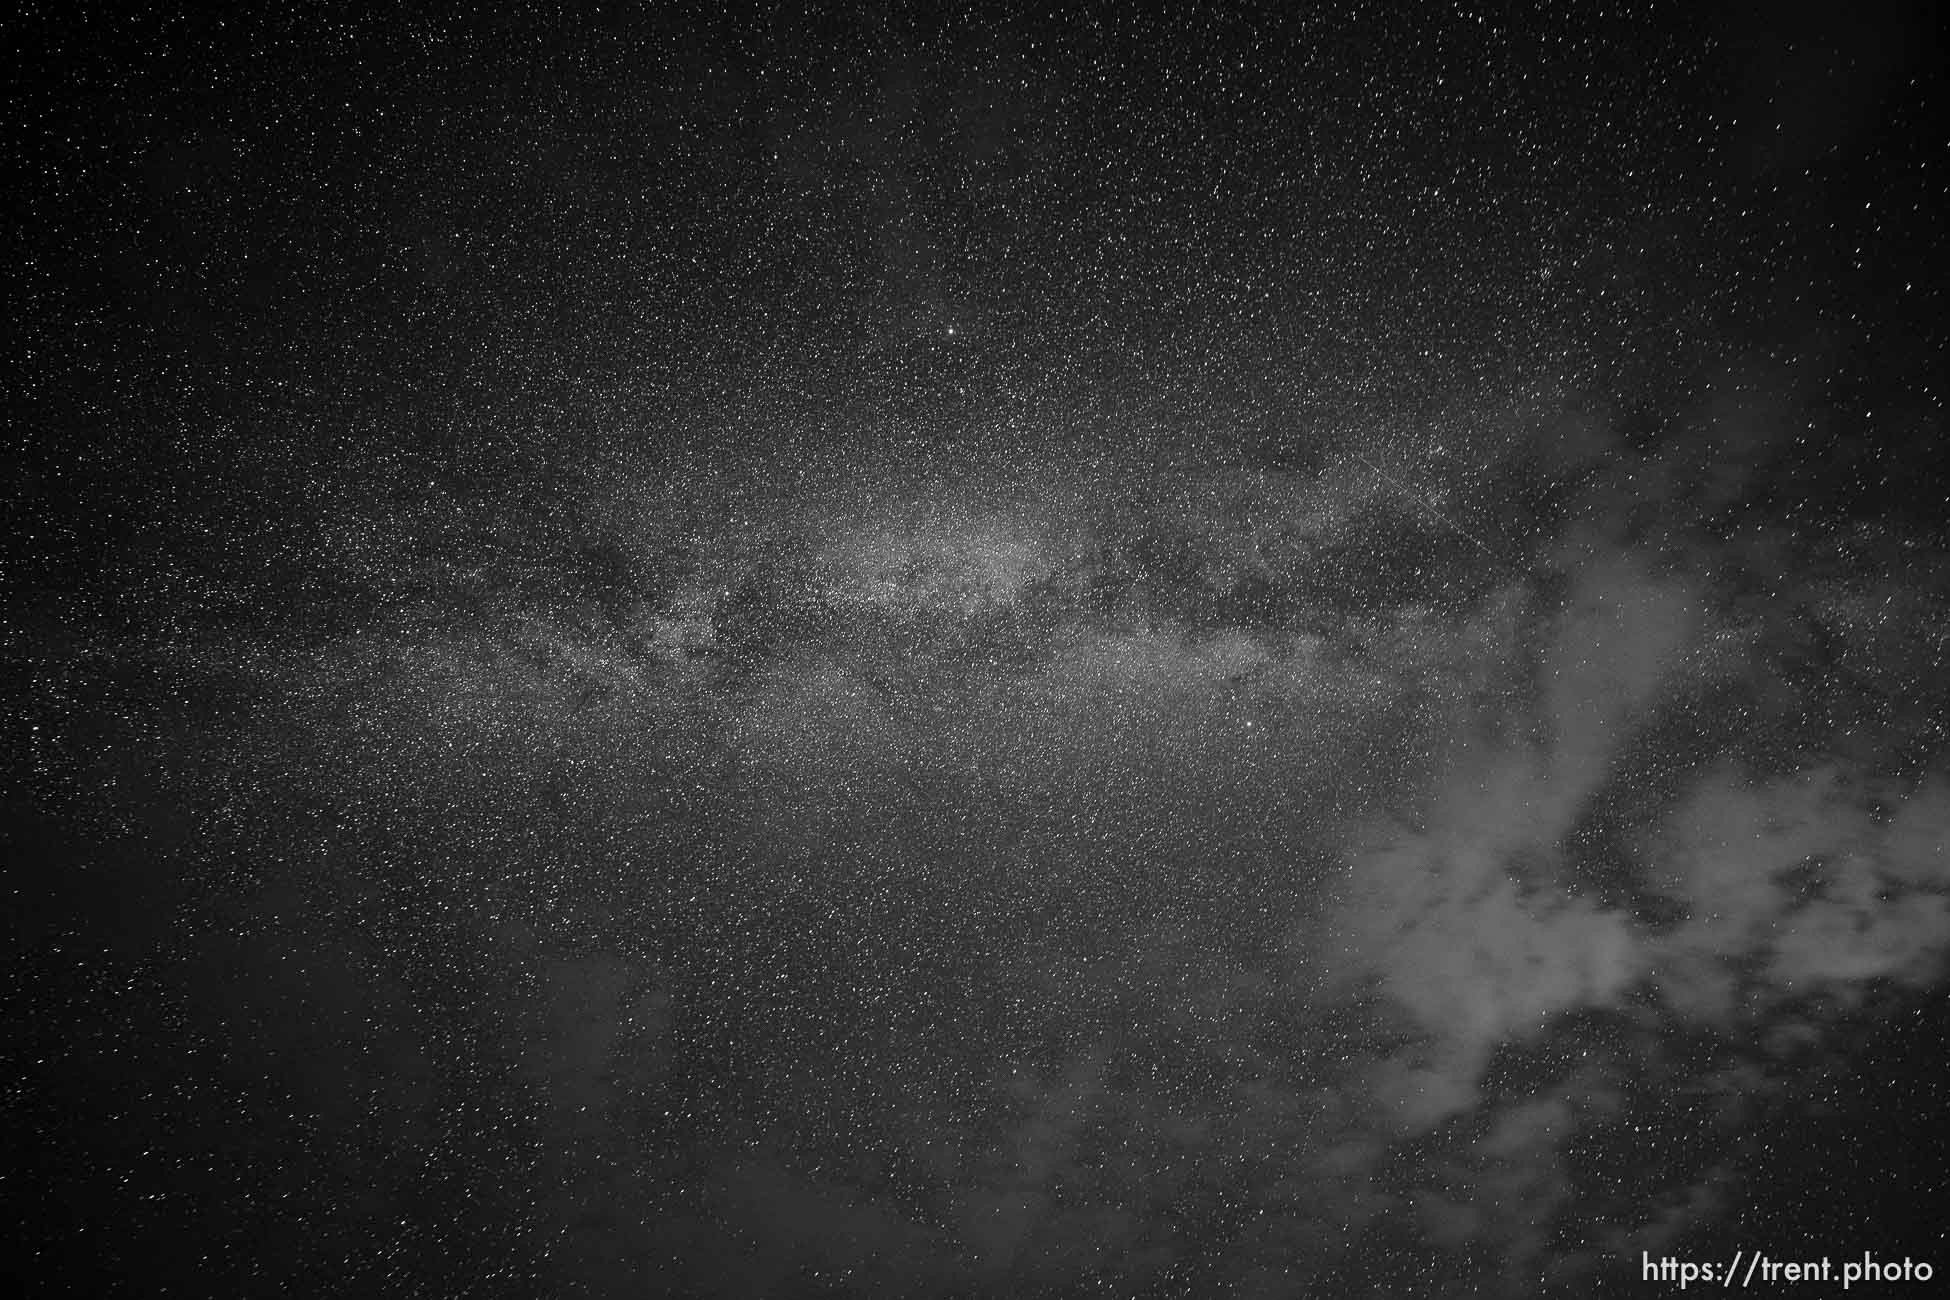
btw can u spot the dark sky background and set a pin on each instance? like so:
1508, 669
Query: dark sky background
969, 652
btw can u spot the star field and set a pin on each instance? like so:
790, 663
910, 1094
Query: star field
861, 652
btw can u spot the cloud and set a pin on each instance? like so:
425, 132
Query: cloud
1460, 912
1804, 875
1464, 922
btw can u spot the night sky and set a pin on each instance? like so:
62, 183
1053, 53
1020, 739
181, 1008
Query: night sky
960, 652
